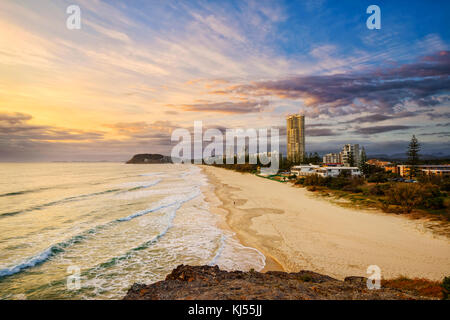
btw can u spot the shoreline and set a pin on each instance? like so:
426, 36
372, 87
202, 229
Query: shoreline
295, 231
222, 206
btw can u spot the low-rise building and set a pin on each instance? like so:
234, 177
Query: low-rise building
336, 171
429, 169
437, 172
391, 168
378, 163
306, 170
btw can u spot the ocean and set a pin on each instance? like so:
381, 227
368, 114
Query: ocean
91, 230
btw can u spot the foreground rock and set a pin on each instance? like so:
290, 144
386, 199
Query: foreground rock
211, 283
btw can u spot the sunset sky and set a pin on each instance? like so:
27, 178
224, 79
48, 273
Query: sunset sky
139, 69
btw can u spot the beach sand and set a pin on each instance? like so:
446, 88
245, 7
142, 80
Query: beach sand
296, 230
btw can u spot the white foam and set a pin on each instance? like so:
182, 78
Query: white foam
164, 203
31, 262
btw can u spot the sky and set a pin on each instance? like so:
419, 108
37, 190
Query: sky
137, 70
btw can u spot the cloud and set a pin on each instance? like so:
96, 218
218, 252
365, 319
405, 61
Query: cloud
143, 129
14, 118
377, 117
382, 129
440, 134
108, 32
436, 115
20, 139
15, 127
320, 132
384, 91
228, 107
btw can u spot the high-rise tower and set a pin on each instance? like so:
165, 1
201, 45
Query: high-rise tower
295, 133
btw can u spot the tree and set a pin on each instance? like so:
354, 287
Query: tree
413, 156
363, 166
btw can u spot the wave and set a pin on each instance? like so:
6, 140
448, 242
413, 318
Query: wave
49, 204
218, 252
60, 247
41, 257
113, 261
170, 189
166, 202
146, 244
18, 193
133, 187
140, 185
150, 174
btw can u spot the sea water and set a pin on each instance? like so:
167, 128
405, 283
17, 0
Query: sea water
105, 226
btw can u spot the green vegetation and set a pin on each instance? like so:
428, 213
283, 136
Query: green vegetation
363, 166
422, 287
430, 195
413, 156
446, 288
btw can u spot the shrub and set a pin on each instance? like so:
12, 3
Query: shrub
300, 180
338, 183
446, 185
434, 203
378, 189
407, 196
352, 188
378, 177
422, 287
315, 180
346, 183
432, 198
445, 288
442, 182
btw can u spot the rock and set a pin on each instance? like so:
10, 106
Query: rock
359, 281
211, 283
149, 158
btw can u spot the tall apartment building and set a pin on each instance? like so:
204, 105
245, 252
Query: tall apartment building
332, 158
353, 150
295, 132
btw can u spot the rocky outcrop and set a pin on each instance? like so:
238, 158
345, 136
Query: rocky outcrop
211, 283
149, 158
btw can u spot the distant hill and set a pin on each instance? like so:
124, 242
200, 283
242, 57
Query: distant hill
403, 156
149, 158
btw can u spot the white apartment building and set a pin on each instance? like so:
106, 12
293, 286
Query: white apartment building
306, 170
352, 149
336, 171
332, 158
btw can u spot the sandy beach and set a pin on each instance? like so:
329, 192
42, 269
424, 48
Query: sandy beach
296, 230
